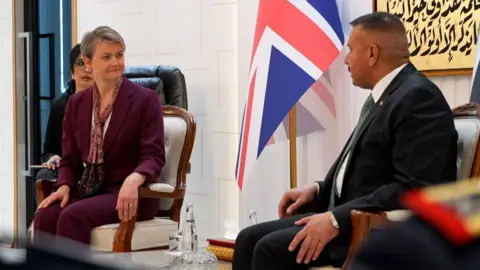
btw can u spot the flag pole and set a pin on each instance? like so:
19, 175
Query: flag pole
292, 126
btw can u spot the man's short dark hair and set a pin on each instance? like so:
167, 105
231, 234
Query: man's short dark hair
379, 21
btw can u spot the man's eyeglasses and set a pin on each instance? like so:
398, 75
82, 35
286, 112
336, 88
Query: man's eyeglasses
80, 64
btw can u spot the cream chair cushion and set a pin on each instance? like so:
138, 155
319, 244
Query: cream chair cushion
147, 234
398, 215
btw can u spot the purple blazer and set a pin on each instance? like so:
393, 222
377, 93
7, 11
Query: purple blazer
133, 142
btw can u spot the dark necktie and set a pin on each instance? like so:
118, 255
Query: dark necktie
368, 106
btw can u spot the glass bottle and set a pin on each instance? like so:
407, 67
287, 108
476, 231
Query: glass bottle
174, 244
191, 257
252, 217
189, 232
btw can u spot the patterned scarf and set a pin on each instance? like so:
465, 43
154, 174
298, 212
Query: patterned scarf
94, 172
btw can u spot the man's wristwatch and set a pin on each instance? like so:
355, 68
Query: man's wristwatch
334, 221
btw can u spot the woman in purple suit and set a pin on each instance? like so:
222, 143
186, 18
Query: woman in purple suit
113, 143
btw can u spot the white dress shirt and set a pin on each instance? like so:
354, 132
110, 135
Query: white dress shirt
377, 92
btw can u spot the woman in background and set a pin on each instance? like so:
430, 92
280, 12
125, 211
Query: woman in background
82, 79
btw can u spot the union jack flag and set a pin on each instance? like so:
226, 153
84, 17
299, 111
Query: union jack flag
316, 111
294, 44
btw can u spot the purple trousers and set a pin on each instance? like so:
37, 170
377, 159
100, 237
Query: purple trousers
80, 216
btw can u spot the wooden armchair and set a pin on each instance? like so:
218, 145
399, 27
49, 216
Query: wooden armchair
180, 128
467, 124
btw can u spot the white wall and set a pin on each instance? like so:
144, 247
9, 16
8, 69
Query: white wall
455, 88
205, 38
198, 36
317, 151
7, 142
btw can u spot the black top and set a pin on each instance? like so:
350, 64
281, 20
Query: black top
53, 137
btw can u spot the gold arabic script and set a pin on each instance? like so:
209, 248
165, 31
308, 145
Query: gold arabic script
446, 28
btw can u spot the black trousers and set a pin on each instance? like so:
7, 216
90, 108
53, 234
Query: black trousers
265, 246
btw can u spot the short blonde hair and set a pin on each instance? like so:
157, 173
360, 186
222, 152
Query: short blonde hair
101, 33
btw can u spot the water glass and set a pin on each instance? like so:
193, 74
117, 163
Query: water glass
175, 244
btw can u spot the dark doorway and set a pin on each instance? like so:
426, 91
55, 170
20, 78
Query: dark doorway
43, 29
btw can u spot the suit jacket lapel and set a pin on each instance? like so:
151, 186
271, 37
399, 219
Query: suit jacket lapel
402, 75
365, 124
120, 109
84, 119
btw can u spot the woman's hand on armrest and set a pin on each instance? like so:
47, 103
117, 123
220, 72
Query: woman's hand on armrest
135, 179
62, 194
128, 196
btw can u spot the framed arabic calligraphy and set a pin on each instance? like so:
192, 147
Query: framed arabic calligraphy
442, 33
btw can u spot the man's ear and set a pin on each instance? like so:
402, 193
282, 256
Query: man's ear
373, 54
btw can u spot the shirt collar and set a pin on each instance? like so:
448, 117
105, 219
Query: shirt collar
385, 82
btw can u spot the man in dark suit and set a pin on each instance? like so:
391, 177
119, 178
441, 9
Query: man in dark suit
405, 138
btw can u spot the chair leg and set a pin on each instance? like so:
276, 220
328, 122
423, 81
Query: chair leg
123, 237
362, 224
176, 210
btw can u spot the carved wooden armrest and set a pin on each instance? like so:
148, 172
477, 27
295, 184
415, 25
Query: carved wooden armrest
123, 237
44, 189
362, 224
